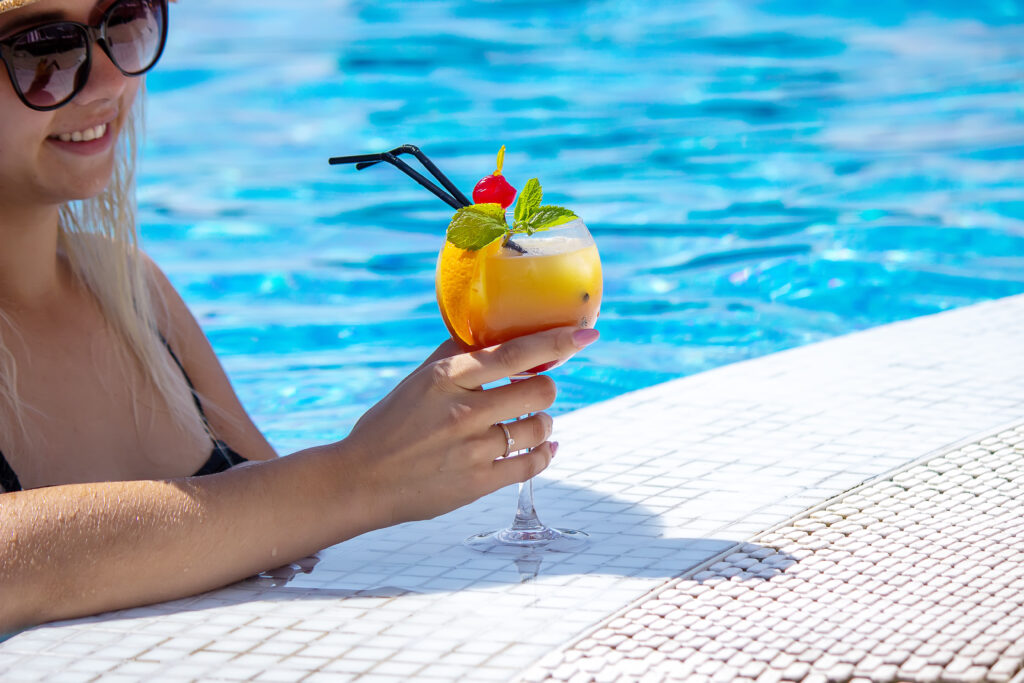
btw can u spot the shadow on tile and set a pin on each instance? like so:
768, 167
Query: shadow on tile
628, 540
629, 549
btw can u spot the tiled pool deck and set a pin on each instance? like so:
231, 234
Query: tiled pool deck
742, 473
914, 577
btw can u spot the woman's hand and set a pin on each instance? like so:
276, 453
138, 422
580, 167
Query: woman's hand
433, 444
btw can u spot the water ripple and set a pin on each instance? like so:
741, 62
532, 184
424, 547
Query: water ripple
757, 176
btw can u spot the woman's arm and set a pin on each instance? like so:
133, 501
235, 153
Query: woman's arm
86, 548
429, 447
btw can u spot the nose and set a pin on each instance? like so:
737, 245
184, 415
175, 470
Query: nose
105, 82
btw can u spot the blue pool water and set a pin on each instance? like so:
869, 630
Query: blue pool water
757, 176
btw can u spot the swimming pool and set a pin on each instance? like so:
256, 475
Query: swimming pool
756, 177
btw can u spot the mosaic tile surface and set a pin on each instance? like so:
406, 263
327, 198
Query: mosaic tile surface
663, 479
918, 577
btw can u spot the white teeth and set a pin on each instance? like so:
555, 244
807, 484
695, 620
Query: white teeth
84, 135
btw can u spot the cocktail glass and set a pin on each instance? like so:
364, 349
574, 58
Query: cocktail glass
510, 288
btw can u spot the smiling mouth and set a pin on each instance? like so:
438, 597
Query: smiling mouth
87, 135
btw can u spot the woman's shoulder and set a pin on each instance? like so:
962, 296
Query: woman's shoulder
171, 314
186, 338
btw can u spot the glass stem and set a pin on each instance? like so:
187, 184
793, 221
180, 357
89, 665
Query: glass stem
526, 515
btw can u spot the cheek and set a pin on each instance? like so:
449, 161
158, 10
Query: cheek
22, 132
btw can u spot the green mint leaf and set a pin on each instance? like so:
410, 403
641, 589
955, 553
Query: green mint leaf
474, 227
529, 201
548, 217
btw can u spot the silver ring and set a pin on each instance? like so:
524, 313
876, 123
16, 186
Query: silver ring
509, 441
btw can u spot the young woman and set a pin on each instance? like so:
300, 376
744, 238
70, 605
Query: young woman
119, 430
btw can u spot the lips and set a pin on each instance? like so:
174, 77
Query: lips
89, 140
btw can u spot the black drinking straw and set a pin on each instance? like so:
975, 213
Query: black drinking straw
456, 199
429, 165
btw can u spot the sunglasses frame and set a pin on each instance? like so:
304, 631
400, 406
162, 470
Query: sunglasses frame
94, 35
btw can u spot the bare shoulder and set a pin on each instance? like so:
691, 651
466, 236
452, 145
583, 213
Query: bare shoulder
173, 317
186, 338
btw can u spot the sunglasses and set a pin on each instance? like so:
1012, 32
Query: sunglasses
49, 64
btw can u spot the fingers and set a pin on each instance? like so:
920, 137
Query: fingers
524, 434
522, 467
510, 401
475, 369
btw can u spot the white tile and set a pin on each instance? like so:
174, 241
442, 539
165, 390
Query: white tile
71, 677
674, 475
279, 675
867, 535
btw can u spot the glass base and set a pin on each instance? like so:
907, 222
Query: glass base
519, 542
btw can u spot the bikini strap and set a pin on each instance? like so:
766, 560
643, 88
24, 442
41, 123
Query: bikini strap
9, 481
218, 445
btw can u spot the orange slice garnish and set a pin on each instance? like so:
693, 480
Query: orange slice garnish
459, 273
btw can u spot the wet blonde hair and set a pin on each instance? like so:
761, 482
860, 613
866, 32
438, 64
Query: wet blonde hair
99, 237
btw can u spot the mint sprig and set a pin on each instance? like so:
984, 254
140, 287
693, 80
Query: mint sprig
529, 200
549, 217
531, 217
474, 227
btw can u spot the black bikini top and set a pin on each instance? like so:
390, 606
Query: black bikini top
222, 458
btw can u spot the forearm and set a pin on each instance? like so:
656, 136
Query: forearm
82, 549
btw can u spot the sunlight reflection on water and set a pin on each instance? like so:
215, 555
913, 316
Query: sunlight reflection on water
756, 177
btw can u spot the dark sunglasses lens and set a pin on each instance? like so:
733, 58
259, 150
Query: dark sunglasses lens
134, 33
48, 63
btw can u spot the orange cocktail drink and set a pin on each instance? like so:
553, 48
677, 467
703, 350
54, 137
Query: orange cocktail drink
498, 279
502, 274
523, 285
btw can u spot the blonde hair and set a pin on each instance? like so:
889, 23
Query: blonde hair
99, 237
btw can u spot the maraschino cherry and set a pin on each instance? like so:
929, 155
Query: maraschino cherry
494, 189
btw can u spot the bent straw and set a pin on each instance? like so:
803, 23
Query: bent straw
428, 164
457, 202
402, 166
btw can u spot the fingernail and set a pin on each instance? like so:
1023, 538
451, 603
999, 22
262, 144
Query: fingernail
554, 448
585, 337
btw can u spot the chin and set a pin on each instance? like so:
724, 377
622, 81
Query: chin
91, 193
78, 194
86, 185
